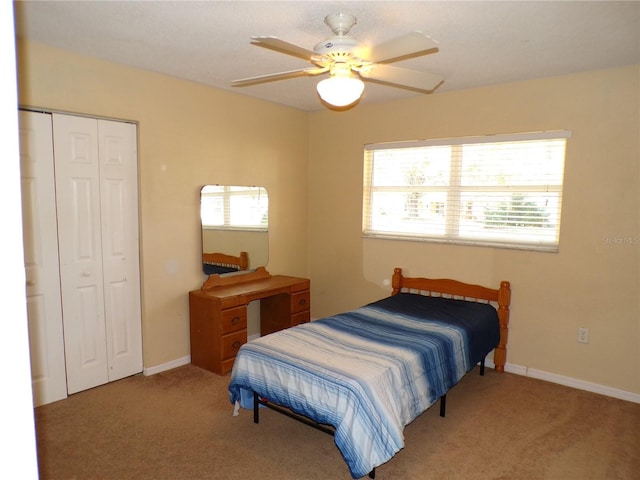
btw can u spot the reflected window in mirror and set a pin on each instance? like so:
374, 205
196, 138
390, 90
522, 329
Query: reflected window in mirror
225, 206
235, 224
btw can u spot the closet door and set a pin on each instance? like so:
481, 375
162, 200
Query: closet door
97, 203
80, 237
120, 247
41, 259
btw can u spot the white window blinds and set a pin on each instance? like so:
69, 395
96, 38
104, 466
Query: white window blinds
500, 190
234, 207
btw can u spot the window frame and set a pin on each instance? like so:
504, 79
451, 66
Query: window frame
454, 191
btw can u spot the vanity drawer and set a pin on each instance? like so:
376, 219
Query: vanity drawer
234, 319
300, 301
232, 343
302, 317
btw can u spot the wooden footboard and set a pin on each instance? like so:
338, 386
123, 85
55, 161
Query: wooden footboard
500, 297
241, 262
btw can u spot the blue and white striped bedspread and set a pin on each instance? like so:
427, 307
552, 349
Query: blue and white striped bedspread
368, 373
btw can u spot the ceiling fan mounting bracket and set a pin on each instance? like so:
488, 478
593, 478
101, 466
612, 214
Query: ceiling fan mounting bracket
340, 23
340, 44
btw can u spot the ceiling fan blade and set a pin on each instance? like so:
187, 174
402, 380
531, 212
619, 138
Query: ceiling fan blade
412, 44
274, 43
401, 77
278, 76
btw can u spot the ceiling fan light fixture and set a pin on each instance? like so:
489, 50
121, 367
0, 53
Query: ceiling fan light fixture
348, 61
339, 90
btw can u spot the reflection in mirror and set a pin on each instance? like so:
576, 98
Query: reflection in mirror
235, 228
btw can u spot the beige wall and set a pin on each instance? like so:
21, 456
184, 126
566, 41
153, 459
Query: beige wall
189, 135
311, 165
590, 283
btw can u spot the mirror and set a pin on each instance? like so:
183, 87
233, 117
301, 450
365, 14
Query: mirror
235, 228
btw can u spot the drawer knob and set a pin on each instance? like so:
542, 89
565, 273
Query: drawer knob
235, 320
236, 345
302, 301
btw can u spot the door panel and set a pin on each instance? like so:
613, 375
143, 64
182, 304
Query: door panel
44, 307
120, 247
78, 207
90, 339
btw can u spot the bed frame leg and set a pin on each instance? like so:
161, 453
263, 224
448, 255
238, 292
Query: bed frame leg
256, 408
372, 473
482, 367
443, 405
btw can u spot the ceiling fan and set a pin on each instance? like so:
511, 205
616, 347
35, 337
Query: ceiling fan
348, 62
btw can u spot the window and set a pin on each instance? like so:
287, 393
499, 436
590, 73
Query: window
233, 207
501, 190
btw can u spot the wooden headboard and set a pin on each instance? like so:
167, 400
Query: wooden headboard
463, 291
240, 262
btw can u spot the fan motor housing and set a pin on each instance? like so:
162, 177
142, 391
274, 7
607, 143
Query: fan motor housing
335, 45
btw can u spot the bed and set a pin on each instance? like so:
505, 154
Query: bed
363, 375
218, 263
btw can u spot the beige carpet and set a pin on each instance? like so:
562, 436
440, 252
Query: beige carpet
178, 425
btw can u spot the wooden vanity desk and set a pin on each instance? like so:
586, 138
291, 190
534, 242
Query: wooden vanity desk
218, 313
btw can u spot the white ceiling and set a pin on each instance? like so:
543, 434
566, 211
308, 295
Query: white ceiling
480, 42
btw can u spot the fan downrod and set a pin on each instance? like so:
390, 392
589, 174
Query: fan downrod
340, 23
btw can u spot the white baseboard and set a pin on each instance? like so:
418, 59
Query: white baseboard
509, 367
568, 381
582, 385
178, 362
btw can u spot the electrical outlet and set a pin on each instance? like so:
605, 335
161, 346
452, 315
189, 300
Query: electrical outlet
583, 335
